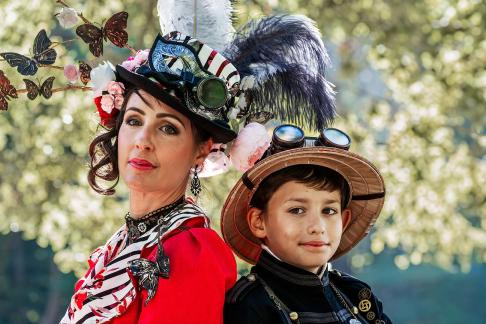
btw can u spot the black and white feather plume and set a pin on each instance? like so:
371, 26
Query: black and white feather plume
210, 21
282, 61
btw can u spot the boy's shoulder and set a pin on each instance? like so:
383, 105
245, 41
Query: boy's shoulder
247, 302
244, 286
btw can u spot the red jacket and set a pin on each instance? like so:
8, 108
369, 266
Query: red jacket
202, 269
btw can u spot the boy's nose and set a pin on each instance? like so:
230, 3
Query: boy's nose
317, 224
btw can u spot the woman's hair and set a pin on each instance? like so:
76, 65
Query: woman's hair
103, 151
313, 176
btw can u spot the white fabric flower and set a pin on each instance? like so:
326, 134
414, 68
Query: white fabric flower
216, 162
249, 146
68, 17
101, 76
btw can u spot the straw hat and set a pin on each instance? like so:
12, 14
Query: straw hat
365, 183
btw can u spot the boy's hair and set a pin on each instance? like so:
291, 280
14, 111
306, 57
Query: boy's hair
313, 176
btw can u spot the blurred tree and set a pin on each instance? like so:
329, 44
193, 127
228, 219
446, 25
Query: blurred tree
411, 92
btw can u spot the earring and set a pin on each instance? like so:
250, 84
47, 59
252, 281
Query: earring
195, 184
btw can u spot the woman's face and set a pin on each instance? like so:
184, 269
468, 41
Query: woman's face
156, 146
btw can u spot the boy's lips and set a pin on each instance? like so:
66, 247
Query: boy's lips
315, 243
141, 164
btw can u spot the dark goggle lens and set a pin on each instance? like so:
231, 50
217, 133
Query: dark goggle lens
333, 137
212, 93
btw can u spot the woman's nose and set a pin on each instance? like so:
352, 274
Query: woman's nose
143, 140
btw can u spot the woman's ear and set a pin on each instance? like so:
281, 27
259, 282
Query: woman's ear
203, 151
254, 217
346, 216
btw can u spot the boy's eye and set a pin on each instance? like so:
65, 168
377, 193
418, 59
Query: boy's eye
296, 210
329, 211
169, 129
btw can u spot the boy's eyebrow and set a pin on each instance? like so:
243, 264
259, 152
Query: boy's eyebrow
304, 200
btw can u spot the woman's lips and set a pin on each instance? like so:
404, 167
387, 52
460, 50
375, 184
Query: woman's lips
141, 164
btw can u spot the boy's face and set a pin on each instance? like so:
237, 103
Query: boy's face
302, 226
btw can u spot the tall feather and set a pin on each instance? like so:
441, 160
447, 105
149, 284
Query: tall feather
287, 59
210, 21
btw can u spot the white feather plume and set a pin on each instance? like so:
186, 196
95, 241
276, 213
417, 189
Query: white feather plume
212, 17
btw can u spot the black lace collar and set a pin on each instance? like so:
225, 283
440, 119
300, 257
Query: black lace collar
138, 227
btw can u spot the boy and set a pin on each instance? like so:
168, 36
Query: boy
291, 214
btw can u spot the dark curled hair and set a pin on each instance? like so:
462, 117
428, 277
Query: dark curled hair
103, 150
313, 176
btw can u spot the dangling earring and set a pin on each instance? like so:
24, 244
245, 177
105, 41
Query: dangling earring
195, 183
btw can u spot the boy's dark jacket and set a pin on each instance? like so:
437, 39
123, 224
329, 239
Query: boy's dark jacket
312, 298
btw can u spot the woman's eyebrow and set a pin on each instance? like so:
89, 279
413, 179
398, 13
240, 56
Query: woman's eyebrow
162, 115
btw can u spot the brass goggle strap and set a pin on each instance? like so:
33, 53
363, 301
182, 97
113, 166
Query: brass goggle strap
371, 196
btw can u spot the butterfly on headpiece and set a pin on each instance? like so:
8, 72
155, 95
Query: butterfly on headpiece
43, 54
7, 91
114, 30
33, 90
84, 72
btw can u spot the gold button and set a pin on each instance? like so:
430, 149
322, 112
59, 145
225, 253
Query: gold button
370, 316
364, 293
293, 316
251, 277
364, 305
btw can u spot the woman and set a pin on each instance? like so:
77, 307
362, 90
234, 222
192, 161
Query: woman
164, 265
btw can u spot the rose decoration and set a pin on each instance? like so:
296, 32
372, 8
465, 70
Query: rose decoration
252, 141
133, 63
71, 73
68, 17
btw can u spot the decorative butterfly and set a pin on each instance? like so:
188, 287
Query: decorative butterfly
45, 89
7, 91
43, 54
84, 72
114, 30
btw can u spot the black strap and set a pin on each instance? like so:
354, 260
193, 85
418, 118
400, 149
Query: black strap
247, 182
369, 196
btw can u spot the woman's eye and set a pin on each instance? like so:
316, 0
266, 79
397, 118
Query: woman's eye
169, 129
133, 122
296, 211
329, 211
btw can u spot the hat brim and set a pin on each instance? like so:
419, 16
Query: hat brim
365, 182
219, 130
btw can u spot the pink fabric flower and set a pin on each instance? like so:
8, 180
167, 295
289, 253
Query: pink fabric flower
116, 88
118, 101
249, 146
71, 73
132, 63
107, 103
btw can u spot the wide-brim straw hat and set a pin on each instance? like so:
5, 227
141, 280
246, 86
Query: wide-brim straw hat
367, 190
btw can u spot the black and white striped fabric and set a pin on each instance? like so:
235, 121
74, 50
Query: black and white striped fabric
106, 290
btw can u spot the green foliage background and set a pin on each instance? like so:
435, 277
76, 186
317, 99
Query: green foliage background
411, 92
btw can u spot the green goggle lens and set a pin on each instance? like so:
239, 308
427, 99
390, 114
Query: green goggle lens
212, 92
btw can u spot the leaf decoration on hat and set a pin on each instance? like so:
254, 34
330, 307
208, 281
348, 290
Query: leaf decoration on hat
33, 90
7, 91
114, 31
287, 59
43, 55
84, 72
